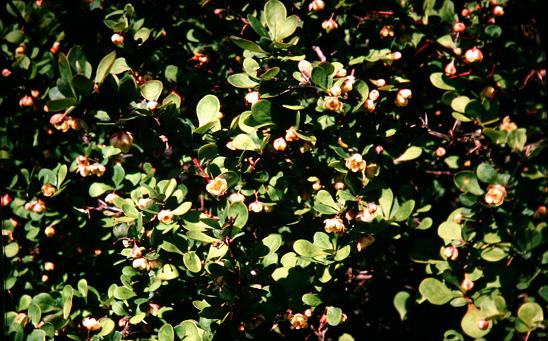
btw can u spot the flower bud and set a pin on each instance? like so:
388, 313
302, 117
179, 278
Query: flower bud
49, 266
374, 94
379, 149
451, 252
473, 55
316, 5
379, 83
109, 199
153, 308
340, 73
55, 47
467, 284
21, 49
256, 206
57, 118
35, 93
22, 319
498, 11
440, 152
317, 186
26, 101
400, 101
339, 185
5, 200
405, 93
329, 25
370, 105
450, 69
122, 140
117, 39
386, 31
348, 84
279, 144
49, 231
236, 197
459, 27
6, 72
395, 55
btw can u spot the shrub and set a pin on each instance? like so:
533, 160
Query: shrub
301, 170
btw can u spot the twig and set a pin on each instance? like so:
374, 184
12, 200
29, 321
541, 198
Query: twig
319, 52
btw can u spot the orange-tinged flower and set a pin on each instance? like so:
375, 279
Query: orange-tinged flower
165, 216
117, 39
495, 195
236, 197
252, 97
355, 163
299, 321
450, 69
291, 134
279, 144
329, 25
316, 5
507, 125
48, 190
91, 324
217, 186
334, 225
473, 55
256, 206
122, 140
332, 103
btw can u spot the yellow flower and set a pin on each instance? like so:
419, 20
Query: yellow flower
495, 195
299, 321
217, 186
355, 163
334, 225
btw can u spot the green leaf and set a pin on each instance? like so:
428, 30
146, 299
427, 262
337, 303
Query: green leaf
11, 249
486, 173
137, 318
386, 200
119, 66
241, 80
61, 104
207, 110
244, 142
15, 37
361, 88
312, 300
287, 28
450, 231
201, 237
98, 188
142, 35
411, 153
171, 73
320, 77
272, 242
68, 293
172, 98
166, 333
35, 314
182, 209
400, 303
239, 214
37, 335
270, 73
459, 103
152, 90
275, 16
405, 210
334, 316
118, 175
325, 204
441, 82
247, 45
435, 291
467, 182
168, 272
530, 316
469, 324
494, 254
517, 139
307, 249
107, 327
83, 287
104, 67
187, 330
192, 261
124, 293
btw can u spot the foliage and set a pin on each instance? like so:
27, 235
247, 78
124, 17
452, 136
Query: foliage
234, 170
